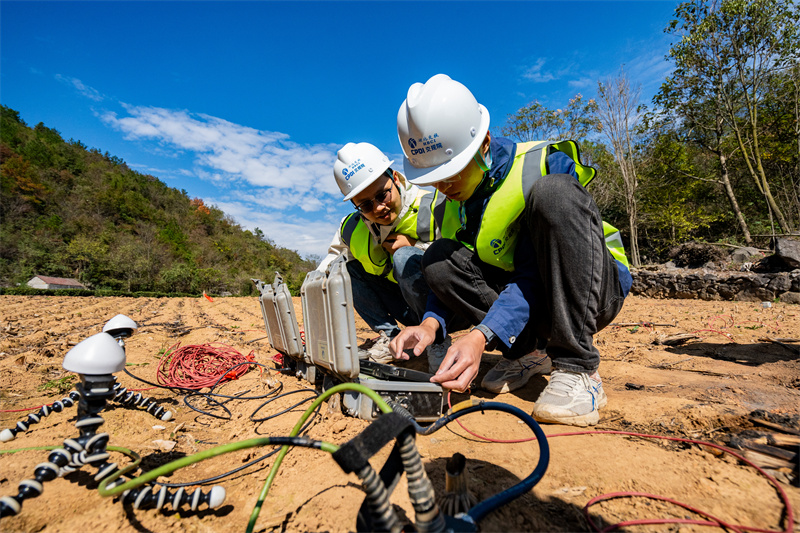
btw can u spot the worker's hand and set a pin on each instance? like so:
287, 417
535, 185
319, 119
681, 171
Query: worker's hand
462, 362
394, 241
415, 338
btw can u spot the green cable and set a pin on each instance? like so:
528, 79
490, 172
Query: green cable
31, 448
189, 460
374, 396
226, 448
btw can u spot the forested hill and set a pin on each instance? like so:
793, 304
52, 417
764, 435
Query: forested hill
70, 211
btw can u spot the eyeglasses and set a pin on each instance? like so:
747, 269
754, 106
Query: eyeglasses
380, 199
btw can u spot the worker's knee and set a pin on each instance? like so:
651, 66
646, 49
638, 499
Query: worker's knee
407, 262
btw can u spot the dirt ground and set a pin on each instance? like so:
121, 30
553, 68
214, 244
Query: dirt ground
705, 390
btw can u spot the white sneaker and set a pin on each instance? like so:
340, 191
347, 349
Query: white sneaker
509, 375
436, 353
379, 350
571, 398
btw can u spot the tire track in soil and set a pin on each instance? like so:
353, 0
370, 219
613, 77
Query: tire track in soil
37, 329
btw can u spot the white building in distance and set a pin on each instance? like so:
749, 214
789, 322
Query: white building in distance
48, 282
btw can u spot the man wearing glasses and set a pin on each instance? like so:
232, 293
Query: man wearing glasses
383, 242
531, 261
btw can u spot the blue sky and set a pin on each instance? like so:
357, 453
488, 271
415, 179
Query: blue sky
244, 104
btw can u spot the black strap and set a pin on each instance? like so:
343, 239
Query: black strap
355, 454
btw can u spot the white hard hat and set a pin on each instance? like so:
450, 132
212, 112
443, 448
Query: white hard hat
440, 126
357, 166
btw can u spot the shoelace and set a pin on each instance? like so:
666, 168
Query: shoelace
533, 363
567, 382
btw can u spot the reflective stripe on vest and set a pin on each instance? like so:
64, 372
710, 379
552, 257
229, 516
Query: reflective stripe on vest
446, 217
614, 243
418, 223
500, 224
371, 255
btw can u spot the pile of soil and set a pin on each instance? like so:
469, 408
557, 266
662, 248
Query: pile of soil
733, 360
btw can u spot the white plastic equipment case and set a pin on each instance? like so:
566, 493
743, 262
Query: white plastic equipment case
330, 324
331, 344
283, 332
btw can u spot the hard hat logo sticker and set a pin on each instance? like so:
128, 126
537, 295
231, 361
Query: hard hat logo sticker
351, 170
428, 144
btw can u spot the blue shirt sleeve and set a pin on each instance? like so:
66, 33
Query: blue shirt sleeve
625, 279
561, 163
437, 309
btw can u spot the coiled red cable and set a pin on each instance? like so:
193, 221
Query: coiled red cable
197, 366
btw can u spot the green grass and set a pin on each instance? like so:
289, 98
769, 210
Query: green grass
57, 386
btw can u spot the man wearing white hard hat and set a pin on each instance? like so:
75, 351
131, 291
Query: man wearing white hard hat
383, 241
531, 265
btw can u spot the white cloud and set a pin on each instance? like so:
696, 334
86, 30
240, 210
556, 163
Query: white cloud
583, 83
160, 172
238, 155
262, 178
537, 73
306, 236
89, 92
650, 70
534, 72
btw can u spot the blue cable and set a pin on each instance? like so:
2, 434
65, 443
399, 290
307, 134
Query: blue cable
481, 509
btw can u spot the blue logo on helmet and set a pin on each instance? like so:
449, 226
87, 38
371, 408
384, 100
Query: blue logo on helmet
496, 243
412, 143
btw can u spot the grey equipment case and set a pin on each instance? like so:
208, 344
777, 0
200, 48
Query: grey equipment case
331, 347
283, 332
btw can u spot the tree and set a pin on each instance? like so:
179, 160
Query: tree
735, 46
534, 122
67, 210
691, 98
88, 255
19, 184
617, 112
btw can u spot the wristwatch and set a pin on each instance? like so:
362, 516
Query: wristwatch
491, 338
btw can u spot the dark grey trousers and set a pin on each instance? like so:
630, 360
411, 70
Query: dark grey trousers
576, 290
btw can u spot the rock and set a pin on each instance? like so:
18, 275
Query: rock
339, 426
742, 255
719, 285
787, 249
790, 297
165, 445
780, 283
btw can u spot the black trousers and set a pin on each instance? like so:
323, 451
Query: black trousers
576, 290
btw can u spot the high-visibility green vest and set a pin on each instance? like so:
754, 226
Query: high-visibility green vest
500, 224
422, 222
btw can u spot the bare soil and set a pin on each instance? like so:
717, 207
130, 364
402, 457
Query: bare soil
705, 389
